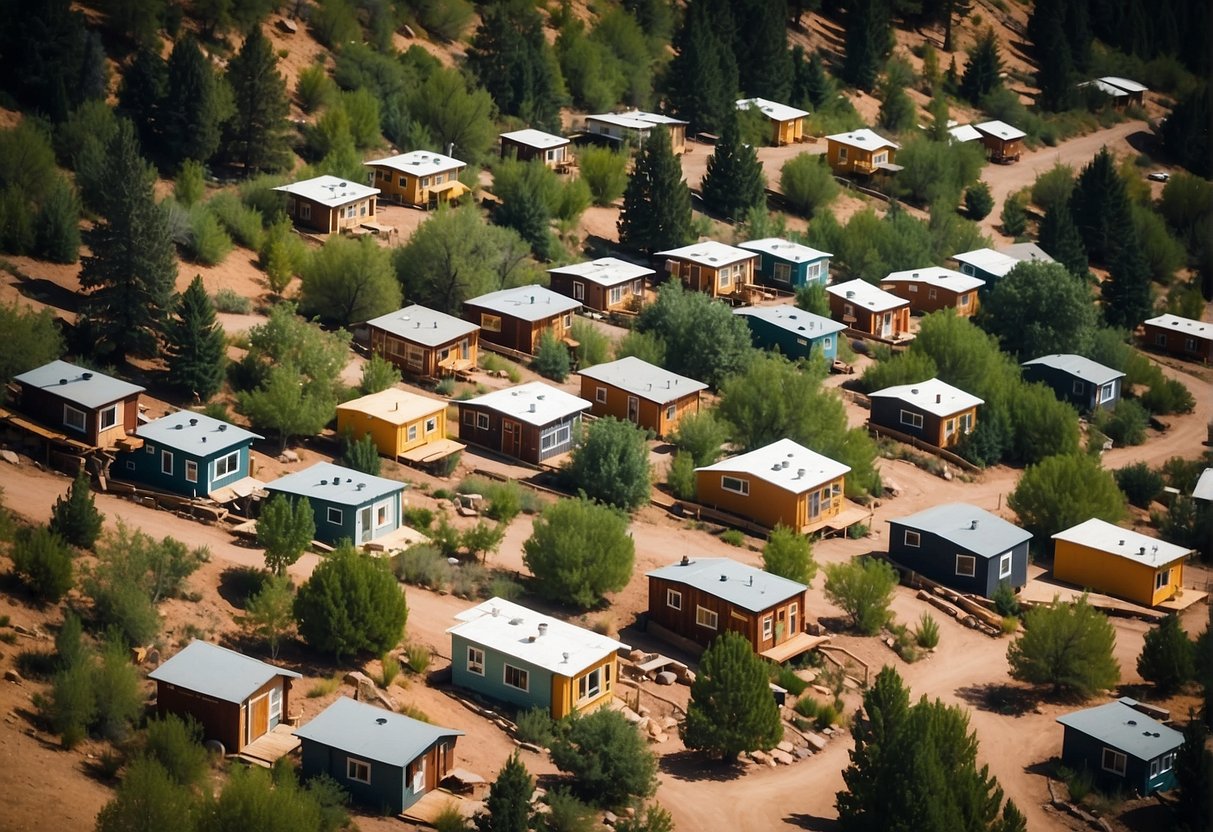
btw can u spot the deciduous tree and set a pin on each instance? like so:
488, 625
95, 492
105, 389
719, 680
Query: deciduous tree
1062, 491
31, 339
703, 339
1067, 646
579, 551
731, 708
611, 464
862, 589
1039, 309
269, 615
285, 530
348, 281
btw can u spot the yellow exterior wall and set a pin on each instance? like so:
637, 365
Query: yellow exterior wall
388, 181
857, 160
943, 440
1113, 575
766, 504
788, 132
392, 439
564, 689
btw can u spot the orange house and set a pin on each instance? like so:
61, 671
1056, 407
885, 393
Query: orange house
787, 123
1003, 143
605, 285
639, 392
861, 151
421, 178
1178, 336
933, 411
933, 288
425, 342
517, 318
1105, 558
715, 268
329, 204
868, 309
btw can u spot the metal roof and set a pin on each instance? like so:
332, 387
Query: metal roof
424, 326
605, 271
969, 527
335, 484
526, 303
741, 585
418, 163
708, 253
514, 630
864, 138
1197, 329
949, 279
394, 406
643, 379
535, 138
772, 109
1126, 84
785, 464
84, 387
1104, 87
792, 319
785, 249
1121, 726
867, 295
987, 260
1125, 543
535, 403
633, 119
964, 133
932, 396
329, 190
215, 671
1204, 486
1078, 366
1000, 130
1025, 251
195, 433
363, 730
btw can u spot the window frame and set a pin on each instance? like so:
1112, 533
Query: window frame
410, 433
600, 395
972, 562
673, 599
917, 539
383, 514
166, 463
191, 471
490, 322
328, 516
781, 273
703, 615
915, 420
475, 665
107, 417
1119, 761
768, 626
1107, 392
227, 464
742, 488
1162, 578
69, 412
556, 436
521, 675
482, 421
353, 764
431, 424
671, 411
578, 290
1006, 565
590, 685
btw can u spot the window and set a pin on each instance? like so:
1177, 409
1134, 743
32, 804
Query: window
931, 293
705, 617
335, 516
880, 158
130, 466
1166, 762
782, 273
412, 433
357, 770
1113, 761
848, 309
149, 449
913, 287
555, 437
73, 418
1079, 387
673, 599
768, 627
1004, 566
827, 343
431, 424
1190, 344
482, 421
792, 610
490, 323
1162, 579
966, 566
425, 181
228, 464
516, 677
404, 180
671, 411
567, 320
914, 420
107, 417
736, 485
723, 279
964, 299
1160, 339
1105, 392
191, 471
600, 395
166, 462
617, 294
967, 269
383, 515
949, 427
589, 685
637, 287
578, 290
966, 423
305, 210
913, 539
842, 154
475, 660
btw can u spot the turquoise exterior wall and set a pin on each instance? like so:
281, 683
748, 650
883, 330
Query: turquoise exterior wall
387, 790
492, 683
767, 336
799, 272
147, 466
331, 528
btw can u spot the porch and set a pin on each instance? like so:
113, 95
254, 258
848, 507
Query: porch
270, 747
797, 645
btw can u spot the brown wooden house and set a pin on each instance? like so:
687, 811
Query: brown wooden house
720, 270
1180, 337
862, 152
932, 411
517, 318
639, 392
604, 285
526, 145
329, 204
869, 310
236, 699
424, 342
531, 422
1003, 143
83, 405
932, 288
421, 178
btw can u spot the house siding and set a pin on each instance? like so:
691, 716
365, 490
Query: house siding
47, 408
1113, 575
935, 558
886, 412
929, 299
847, 159
706, 279
391, 439
866, 321
1080, 751
496, 436
1062, 384
766, 504
516, 333
768, 336
387, 790
684, 621
406, 188
798, 273
597, 297
492, 683
525, 152
146, 465
565, 689
350, 527
220, 720
651, 415
1001, 150
1177, 343
424, 359
326, 219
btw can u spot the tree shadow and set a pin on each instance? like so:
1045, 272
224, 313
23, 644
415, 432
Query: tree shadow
1147, 817
692, 766
237, 584
1000, 698
1143, 141
46, 292
813, 823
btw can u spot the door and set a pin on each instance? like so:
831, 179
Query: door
886, 326
275, 715
419, 775
511, 437
633, 409
814, 504
258, 717
364, 523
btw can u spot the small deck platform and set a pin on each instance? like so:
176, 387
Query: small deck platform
270, 747
431, 804
797, 645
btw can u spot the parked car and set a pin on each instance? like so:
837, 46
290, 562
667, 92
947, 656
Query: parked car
1159, 176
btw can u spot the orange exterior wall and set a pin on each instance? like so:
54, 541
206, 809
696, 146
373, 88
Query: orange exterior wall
405, 187
393, 348
921, 301
787, 132
652, 415
857, 161
1113, 575
564, 689
765, 504
705, 279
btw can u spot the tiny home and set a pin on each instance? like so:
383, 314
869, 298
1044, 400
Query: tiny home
634, 126
604, 285
424, 342
189, 453
862, 152
639, 392
795, 333
699, 599
329, 204
403, 425
382, 760
420, 178
1086, 384
991, 264
963, 547
517, 318
962, 133
1123, 749
787, 123
869, 310
525, 145
236, 699
932, 411
85, 405
346, 504
1179, 336
718, 269
788, 265
1203, 490
531, 422
1003, 143
512, 654
781, 483
1103, 557
932, 288
1123, 91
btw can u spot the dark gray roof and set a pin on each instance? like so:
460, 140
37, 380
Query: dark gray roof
84, 387
372, 733
215, 671
741, 585
335, 484
1120, 726
955, 522
195, 433
1078, 366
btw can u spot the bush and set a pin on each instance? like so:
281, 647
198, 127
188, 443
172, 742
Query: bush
551, 358
1053, 187
607, 757
423, 565
733, 537
787, 679
314, 89
43, 561
208, 244
1167, 657
1014, 219
1168, 396
1068, 646
389, 670
448, 19
1005, 602
579, 551
595, 347
611, 464
351, 604
417, 517
807, 183
926, 634
75, 517
978, 201
226, 300
176, 744
1124, 425
1140, 483
535, 725
245, 224
191, 183
863, 589
807, 707
117, 691
681, 476
827, 715
419, 658
605, 171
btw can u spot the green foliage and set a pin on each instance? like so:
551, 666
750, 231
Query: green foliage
681, 475
43, 561
656, 211
1014, 218
194, 106
868, 39
361, 454
978, 201
643, 345
243, 222
195, 346
926, 634
983, 70
1167, 656
509, 800
1053, 187
551, 358
57, 236
1185, 134
255, 798
653, 819
72, 706
595, 346
513, 62
565, 813
703, 339
314, 89
733, 537
452, 111
117, 691
702, 78
448, 19
285, 530
268, 615
611, 464
1193, 767
1068, 646
1125, 425
176, 744
258, 135
75, 517
812, 297
349, 281
1005, 602
938, 171
148, 798
31, 339
897, 111
422, 565
1164, 255
1061, 491
282, 255
535, 725
734, 182
908, 368
378, 374
605, 171
1039, 309
351, 604
789, 555
807, 184
786, 678
578, 552
863, 589
731, 708
206, 242
190, 185
607, 757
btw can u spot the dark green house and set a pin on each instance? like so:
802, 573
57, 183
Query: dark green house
1122, 748
787, 265
795, 333
187, 453
347, 504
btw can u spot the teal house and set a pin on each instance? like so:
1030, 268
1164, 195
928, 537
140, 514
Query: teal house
188, 453
1123, 749
795, 333
787, 265
347, 504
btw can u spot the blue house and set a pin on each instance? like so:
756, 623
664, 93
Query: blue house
789, 265
383, 760
347, 504
990, 264
1122, 748
188, 453
794, 332
1086, 384
961, 546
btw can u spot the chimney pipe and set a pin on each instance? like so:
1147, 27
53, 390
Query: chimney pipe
685, 561
973, 524
938, 398
193, 423
86, 376
543, 629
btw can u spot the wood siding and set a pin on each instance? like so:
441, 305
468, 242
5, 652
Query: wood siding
566, 690
1177, 343
147, 465
409, 189
935, 430
844, 159
511, 436
925, 299
706, 279
767, 504
44, 406
768, 336
316, 216
595, 296
649, 414
419, 359
525, 153
220, 720
861, 319
517, 333
787, 132
392, 439
1002, 150
683, 620
1113, 575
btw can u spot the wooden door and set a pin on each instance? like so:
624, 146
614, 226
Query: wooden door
259, 716
511, 437
633, 409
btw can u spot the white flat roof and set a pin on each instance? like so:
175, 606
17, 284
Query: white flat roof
633, 119
1196, 329
1126, 84
394, 406
335, 484
987, 260
640, 378
932, 396
709, 253
535, 138
514, 630
864, 138
784, 249
195, 433
1124, 543
866, 295
527, 303
1077, 365
423, 325
964, 133
785, 464
1026, 251
794, 320
651, 118
76, 384
937, 276
329, 190
1000, 129
1204, 486
605, 271
418, 163
772, 109
535, 403
1104, 87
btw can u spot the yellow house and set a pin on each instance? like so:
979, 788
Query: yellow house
329, 204
861, 151
420, 178
787, 123
1105, 558
404, 425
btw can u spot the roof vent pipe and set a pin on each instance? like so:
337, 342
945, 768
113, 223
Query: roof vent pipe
685, 561
973, 524
938, 398
193, 422
543, 628
86, 376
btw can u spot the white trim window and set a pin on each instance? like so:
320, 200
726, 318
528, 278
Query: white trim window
166, 462
600, 395
335, 516
1113, 761
578, 290
705, 617
768, 627
616, 294
431, 424
1106, 392
1004, 566
357, 770
589, 686
914, 420
966, 566
671, 411
555, 437
781, 273
227, 464
74, 418
516, 677
827, 343
842, 153
1162, 578
191, 471
913, 539
793, 610
475, 660
107, 417
383, 514
673, 599
411, 434
966, 423
736, 485
482, 421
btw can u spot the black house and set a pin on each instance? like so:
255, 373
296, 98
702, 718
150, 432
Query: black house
1086, 384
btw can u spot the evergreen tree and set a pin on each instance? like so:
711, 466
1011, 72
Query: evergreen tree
876, 778
731, 708
1055, 68
257, 136
43, 561
897, 111
984, 70
43, 49
509, 802
1060, 238
1185, 133
607, 757
811, 87
132, 270
789, 555
194, 344
760, 48
937, 130
361, 454
1127, 298
141, 93
194, 106
869, 37
1014, 220
702, 78
656, 211
352, 604
285, 530
512, 60
57, 236
1068, 646
1167, 657
1100, 207
75, 517
1193, 771
734, 182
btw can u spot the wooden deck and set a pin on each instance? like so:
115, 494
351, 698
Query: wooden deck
269, 748
426, 810
795, 646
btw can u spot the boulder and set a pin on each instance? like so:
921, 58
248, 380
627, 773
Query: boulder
687, 676
10, 457
288, 456
803, 753
759, 757
785, 746
13, 676
782, 757
669, 723
665, 677
815, 741
610, 819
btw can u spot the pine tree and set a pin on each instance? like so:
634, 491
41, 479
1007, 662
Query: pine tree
1185, 134
75, 517
194, 344
1126, 294
143, 89
132, 270
1014, 219
361, 454
1055, 68
193, 108
1193, 770
509, 800
760, 48
1167, 656
734, 182
1100, 207
897, 111
285, 529
1060, 238
513, 61
875, 777
731, 708
811, 87
258, 134
869, 37
937, 131
703, 75
57, 235
984, 70
656, 211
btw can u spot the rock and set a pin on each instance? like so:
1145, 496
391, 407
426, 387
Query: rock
889, 642
630, 811
356, 678
530, 746
153, 656
688, 677
643, 711
823, 690
658, 738
10, 457
630, 715
288, 456
803, 753
610, 819
669, 723
665, 677
815, 741
806, 674
24, 631
287, 26
786, 747
782, 757
637, 657
759, 756
13, 676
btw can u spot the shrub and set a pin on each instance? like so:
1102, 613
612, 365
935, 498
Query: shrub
417, 517
75, 517
535, 725
244, 223
323, 687
1005, 602
807, 707
351, 604
610, 464
447, 19
190, 184
787, 679
419, 657
44, 563
605, 171
1009, 624
450, 819
595, 347
551, 358
607, 757
1124, 425
681, 476
1014, 219
389, 670
423, 565
314, 89
827, 715
226, 300
1068, 646
1140, 483
978, 201
579, 551
1167, 657
176, 744
863, 589
807, 184
733, 537
927, 632
208, 244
